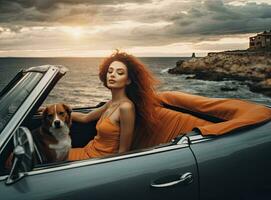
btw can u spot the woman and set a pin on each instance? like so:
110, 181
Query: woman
137, 117
133, 101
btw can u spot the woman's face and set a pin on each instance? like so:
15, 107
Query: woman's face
117, 75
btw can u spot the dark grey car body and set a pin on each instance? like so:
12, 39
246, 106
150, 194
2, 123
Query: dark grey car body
233, 166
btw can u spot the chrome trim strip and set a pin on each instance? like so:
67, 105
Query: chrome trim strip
198, 138
184, 140
41, 69
83, 163
31, 99
3, 178
45, 68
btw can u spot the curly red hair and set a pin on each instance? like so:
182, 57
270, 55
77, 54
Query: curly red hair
141, 90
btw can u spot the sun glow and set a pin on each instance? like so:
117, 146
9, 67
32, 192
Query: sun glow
75, 32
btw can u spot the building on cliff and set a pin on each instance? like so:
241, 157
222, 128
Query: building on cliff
261, 41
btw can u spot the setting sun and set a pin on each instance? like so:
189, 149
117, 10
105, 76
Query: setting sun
75, 32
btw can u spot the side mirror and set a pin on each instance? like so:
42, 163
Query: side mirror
23, 155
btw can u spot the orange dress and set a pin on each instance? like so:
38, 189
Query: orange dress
234, 114
106, 141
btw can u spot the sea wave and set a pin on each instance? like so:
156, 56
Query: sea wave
81, 85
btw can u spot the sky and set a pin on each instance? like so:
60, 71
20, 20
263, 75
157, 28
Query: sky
94, 28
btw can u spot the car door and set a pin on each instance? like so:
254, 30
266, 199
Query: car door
167, 172
235, 166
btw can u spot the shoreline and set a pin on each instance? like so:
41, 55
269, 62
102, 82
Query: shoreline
251, 67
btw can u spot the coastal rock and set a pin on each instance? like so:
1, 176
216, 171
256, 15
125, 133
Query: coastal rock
234, 65
176, 69
193, 55
262, 87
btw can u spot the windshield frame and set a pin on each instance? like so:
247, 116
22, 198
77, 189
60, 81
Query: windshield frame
49, 78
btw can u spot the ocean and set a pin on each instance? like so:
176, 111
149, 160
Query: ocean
81, 86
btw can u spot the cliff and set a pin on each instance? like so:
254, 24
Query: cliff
237, 65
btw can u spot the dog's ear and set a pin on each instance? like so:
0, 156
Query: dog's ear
44, 113
67, 108
69, 111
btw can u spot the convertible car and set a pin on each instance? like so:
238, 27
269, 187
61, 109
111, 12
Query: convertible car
193, 165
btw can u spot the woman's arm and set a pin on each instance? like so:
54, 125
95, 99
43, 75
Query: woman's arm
88, 117
127, 123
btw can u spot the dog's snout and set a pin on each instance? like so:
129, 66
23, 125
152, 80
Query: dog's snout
57, 123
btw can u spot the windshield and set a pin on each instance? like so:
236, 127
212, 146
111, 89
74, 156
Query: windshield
12, 100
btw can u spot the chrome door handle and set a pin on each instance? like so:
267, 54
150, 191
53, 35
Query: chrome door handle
185, 179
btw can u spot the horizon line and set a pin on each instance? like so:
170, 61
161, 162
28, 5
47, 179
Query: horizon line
89, 56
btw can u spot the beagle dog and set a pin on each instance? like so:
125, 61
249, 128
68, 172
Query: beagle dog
53, 136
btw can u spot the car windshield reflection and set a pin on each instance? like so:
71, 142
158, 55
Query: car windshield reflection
12, 100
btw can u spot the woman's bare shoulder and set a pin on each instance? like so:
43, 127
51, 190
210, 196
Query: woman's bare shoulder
127, 105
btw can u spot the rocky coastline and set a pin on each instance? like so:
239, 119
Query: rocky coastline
252, 68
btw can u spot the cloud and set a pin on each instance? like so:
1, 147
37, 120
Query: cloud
217, 18
186, 17
38, 24
52, 4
